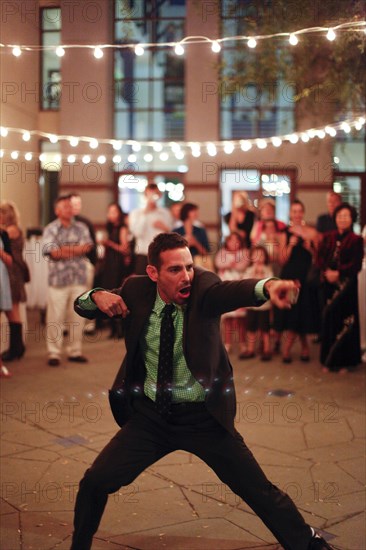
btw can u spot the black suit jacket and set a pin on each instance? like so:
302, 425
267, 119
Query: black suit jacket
204, 351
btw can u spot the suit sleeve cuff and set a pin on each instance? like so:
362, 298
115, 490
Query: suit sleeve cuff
260, 292
85, 301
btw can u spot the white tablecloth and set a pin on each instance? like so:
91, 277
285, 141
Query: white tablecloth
37, 288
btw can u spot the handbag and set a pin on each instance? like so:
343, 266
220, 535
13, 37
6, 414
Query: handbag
24, 269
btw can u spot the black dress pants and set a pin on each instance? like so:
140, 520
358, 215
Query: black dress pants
147, 437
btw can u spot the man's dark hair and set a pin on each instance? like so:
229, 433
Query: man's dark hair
186, 209
61, 198
161, 243
297, 201
152, 187
346, 206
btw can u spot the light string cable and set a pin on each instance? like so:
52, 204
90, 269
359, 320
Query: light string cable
179, 149
178, 46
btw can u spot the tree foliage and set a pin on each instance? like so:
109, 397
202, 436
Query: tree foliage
321, 71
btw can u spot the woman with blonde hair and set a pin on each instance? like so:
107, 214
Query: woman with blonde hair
241, 218
9, 221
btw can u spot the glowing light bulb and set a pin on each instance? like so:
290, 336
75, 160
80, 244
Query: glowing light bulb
16, 51
101, 159
211, 149
74, 142
139, 50
261, 143
71, 159
53, 138
28, 156
215, 47
164, 156
252, 43
26, 136
98, 53
3, 131
331, 35
229, 148
245, 145
293, 39
148, 157
60, 52
117, 159
14, 155
276, 141
86, 159
93, 144
179, 50
117, 145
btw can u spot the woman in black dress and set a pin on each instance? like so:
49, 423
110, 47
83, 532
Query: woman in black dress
117, 261
296, 259
340, 260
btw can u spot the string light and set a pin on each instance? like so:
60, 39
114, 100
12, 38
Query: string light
245, 146
26, 136
293, 39
179, 50
179, 149
261, 143
16, 51
216, 44
93, 144
139, 50
74, 142
276, 141
331, 35
98, 53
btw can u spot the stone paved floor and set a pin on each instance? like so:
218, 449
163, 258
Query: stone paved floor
306, 429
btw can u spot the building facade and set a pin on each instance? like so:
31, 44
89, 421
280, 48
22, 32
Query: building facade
105, 125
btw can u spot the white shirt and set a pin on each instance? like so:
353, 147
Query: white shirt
141, 225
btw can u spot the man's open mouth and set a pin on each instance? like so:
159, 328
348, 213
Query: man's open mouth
185, 291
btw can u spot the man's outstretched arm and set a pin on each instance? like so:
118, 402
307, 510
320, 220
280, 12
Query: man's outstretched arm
100, 303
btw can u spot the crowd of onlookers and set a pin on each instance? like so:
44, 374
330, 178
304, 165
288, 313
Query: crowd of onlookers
325, 260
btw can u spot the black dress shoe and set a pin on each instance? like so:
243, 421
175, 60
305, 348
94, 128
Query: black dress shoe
53, 362
78, 359
318, 543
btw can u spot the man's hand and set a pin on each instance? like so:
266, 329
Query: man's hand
282, 293
111, 304
332, 276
